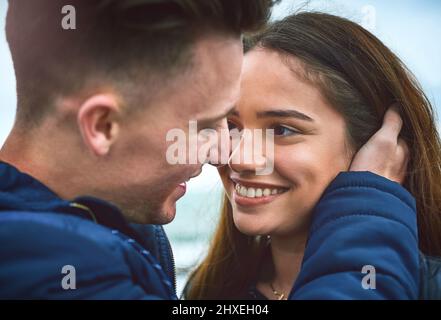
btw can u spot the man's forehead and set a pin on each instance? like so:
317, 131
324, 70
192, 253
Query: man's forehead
219, 105
217, 58
211, 87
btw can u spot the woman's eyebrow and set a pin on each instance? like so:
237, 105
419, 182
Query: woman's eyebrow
284, 113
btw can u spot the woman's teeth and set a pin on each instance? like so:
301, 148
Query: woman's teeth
256, 192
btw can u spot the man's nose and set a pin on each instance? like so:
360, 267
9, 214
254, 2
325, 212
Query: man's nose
223, 146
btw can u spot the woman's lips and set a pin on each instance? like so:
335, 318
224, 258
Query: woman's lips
255, 195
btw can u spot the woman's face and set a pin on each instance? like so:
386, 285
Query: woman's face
310, 148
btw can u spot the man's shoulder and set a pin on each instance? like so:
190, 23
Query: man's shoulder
52, 231
38, 248
33, 223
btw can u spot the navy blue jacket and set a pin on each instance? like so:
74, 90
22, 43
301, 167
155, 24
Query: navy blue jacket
362, 219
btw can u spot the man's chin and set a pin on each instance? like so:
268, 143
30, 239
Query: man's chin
160, 214
166, 214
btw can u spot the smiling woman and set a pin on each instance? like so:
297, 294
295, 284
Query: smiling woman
310, 147
324, 84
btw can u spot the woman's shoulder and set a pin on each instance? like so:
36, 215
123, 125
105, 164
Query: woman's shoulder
430, 277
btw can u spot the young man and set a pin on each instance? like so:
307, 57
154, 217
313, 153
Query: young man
84, 178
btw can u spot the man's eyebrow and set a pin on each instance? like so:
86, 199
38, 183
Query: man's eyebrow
284, 113
234, 113
218, 118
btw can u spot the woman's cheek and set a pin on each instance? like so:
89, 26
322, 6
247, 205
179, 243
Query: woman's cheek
297, 163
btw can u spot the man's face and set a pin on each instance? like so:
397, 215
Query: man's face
143, 183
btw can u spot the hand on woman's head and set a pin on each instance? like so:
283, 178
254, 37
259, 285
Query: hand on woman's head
385, 153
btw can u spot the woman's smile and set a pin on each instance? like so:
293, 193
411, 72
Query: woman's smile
247, 193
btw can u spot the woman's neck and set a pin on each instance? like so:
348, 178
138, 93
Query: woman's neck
287, 255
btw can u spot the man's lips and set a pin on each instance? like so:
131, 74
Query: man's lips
183, 185
180, 190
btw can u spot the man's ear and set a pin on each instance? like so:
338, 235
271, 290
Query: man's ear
97, 120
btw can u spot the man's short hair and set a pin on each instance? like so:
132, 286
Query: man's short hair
120, 40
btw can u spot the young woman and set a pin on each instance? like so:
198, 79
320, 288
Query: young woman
323, 83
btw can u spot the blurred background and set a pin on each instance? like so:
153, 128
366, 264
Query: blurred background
411, 28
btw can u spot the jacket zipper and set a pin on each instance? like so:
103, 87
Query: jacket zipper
172, 269
173, 266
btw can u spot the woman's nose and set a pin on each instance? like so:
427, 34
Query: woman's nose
250, 153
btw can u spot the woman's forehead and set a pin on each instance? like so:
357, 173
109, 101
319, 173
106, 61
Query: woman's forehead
268, 82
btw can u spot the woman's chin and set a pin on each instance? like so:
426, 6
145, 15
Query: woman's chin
251, 228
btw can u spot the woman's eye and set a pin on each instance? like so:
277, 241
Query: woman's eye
284, 131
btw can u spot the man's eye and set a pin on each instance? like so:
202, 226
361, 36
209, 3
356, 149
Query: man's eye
285, 131
213, 127
231, 125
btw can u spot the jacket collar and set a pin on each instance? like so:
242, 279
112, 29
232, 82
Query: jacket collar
21, 192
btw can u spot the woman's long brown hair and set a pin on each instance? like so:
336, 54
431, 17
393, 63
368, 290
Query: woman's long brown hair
361, 78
